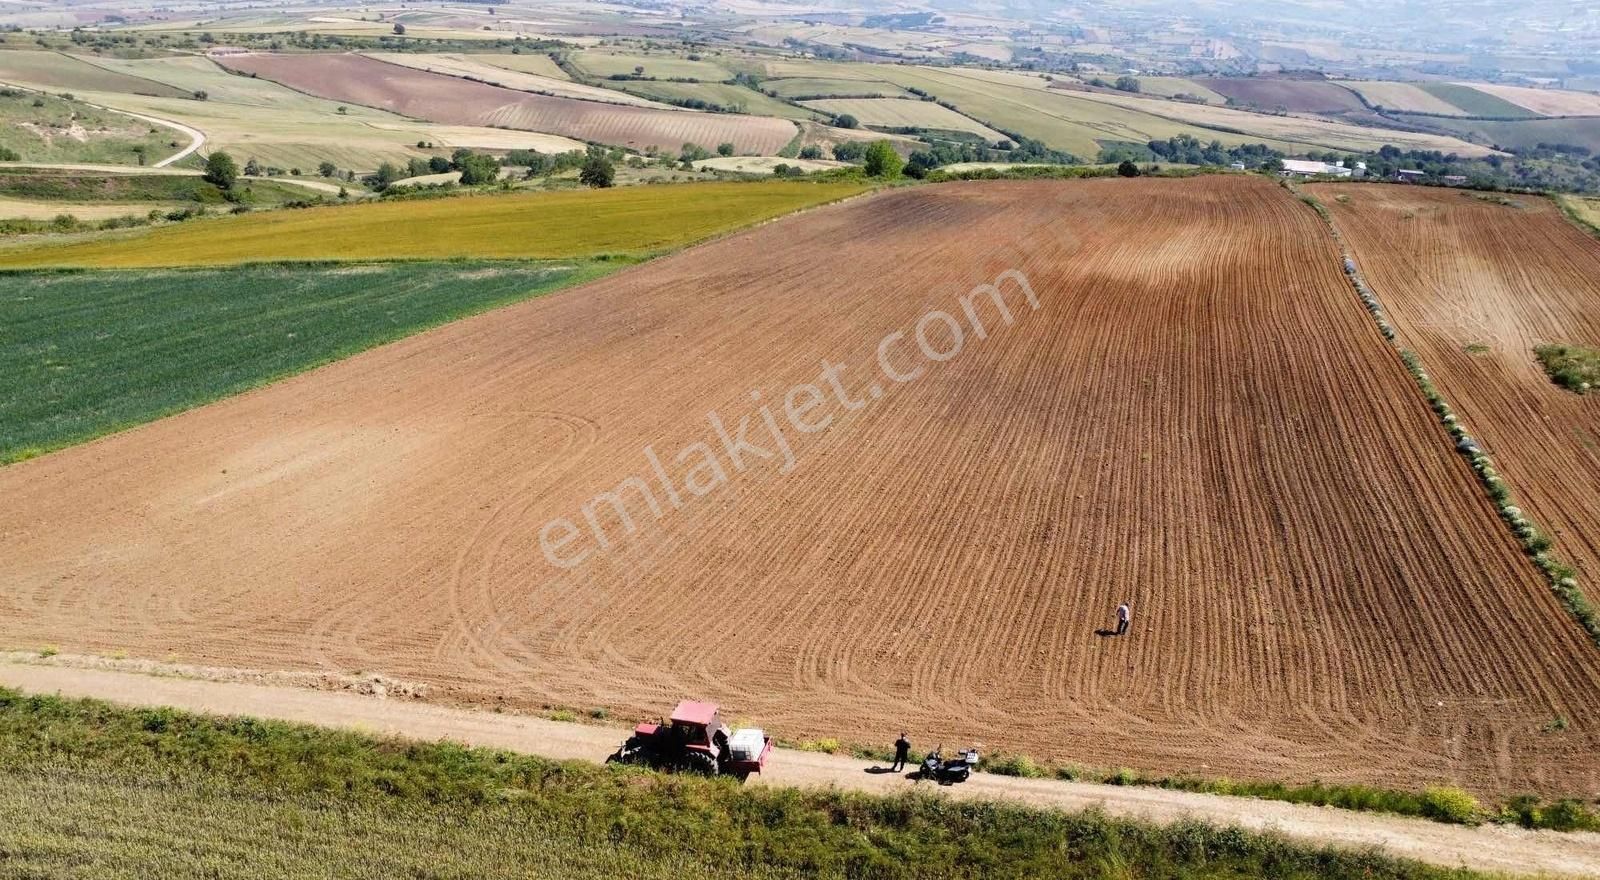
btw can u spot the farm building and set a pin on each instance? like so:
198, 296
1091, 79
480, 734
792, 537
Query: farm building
1408, 175
1304, 168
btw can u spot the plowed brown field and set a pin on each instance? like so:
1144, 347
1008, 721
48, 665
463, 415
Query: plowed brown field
435, 97
1456, 271
1199, 418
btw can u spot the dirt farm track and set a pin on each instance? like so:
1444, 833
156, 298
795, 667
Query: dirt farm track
1199, 418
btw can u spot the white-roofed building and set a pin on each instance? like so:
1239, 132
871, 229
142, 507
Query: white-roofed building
1305, 168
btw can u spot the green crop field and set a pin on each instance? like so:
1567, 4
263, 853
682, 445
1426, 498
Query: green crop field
1474, 102
556, 225
91, 790
49, 128
87, 353
603, 64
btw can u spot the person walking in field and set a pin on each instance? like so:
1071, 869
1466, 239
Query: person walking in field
1124, 614
902, 753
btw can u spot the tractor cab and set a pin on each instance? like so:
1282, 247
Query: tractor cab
698, 726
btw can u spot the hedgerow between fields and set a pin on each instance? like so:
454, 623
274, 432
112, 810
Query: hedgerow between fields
172, 794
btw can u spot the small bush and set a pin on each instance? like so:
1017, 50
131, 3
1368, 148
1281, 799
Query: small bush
828, 745
563, 715
1573, 367
1012, 765
1450, 804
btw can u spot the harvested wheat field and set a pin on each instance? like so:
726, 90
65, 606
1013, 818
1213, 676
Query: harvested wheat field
439, 98
1472, 285
1199, 418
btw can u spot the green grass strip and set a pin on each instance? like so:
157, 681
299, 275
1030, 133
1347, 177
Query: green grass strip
88, 789
84, 354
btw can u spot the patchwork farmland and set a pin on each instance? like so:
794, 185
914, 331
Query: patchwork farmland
1199, 418
448, 99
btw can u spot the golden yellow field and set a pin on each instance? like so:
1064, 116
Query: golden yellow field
631, 220
1586, 210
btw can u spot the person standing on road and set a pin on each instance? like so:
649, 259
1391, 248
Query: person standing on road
1123, 616
902, 753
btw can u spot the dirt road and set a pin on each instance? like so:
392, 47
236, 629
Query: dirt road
197, 138
1490, 848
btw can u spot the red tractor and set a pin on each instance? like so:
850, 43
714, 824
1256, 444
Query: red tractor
696, 741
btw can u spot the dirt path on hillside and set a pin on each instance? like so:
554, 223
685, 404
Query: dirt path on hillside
1489, 848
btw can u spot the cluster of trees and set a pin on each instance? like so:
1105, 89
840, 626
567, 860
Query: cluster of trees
1185, 149
1569, 168
1188, 150
1122, 84
545, 164
475, 168
941, 153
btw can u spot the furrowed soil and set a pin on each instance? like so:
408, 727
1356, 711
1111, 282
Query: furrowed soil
439, 98
1199, 418
1473, 285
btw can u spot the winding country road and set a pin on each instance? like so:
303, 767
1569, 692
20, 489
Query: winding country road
1489, 848
197, 138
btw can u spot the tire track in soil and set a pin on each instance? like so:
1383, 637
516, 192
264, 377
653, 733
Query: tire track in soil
1199, 419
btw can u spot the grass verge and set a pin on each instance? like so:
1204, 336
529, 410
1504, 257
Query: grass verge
172, 794
57, 185
83, 354
1443, 803
1583, 212
634, 220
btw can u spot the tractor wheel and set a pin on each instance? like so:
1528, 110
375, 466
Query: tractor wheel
699, 763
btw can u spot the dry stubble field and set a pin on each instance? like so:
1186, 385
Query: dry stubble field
1199, 418
1473, 285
